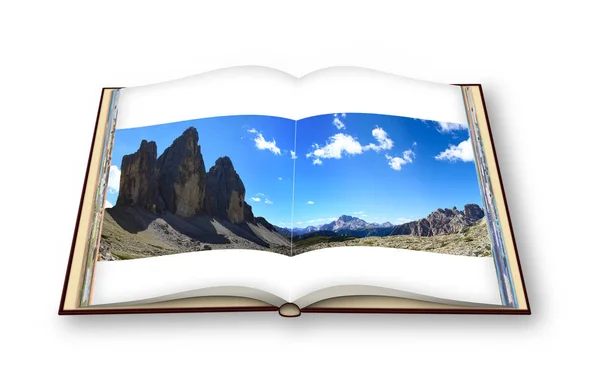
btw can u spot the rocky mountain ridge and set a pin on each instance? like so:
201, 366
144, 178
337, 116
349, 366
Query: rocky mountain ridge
344, 222
177, 182
441, 221
170, 204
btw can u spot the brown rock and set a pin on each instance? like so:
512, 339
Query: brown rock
138, 185
441, 221
473, 213
225, 193
182, 176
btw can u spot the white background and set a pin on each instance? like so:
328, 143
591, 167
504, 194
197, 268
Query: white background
539, 68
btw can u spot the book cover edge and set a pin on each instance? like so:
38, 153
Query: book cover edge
299, 311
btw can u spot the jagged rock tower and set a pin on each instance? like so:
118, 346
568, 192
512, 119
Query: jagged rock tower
177, 182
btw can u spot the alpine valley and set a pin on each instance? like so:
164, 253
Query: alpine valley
171, 204
449, 231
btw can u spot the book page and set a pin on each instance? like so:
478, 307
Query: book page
304, 280
367, 270
361, 90
199, 185
248, 90
371, 186
255, 274
204, 172
252, 90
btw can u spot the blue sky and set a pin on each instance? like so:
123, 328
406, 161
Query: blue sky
378, 167
259, 148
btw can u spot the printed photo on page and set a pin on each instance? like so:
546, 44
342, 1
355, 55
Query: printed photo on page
291, 187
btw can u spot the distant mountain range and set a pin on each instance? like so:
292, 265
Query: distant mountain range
441, 221
345, 222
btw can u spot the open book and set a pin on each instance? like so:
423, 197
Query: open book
250, 189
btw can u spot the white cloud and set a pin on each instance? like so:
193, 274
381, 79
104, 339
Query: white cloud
252, 130
359, 212
385, 143
336, 146
310, 202
338, 123
397, 162
299, 223
463, 152
280, 178
267, 201
408, 156
107, 205
449, 127
114, 179
255, 199
343, 144
261, 194
293, 154
263, 144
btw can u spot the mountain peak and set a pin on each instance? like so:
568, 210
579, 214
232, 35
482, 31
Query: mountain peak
177, 182
224, 161
441, 221
191, 131
225, 193
138, 185
182, 176
347, 218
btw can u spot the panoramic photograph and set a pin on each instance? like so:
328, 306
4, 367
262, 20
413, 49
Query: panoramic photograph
206, 184
387, 181
272, 184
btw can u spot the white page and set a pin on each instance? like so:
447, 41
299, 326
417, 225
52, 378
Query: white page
360, 90
437, 277
153, 277
264, 91
230, 91
434, 276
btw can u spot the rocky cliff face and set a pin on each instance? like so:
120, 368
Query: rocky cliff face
262, 221
225, 193
177, 182
473, 213
182, 176
248, 215
139, 185
441, 221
